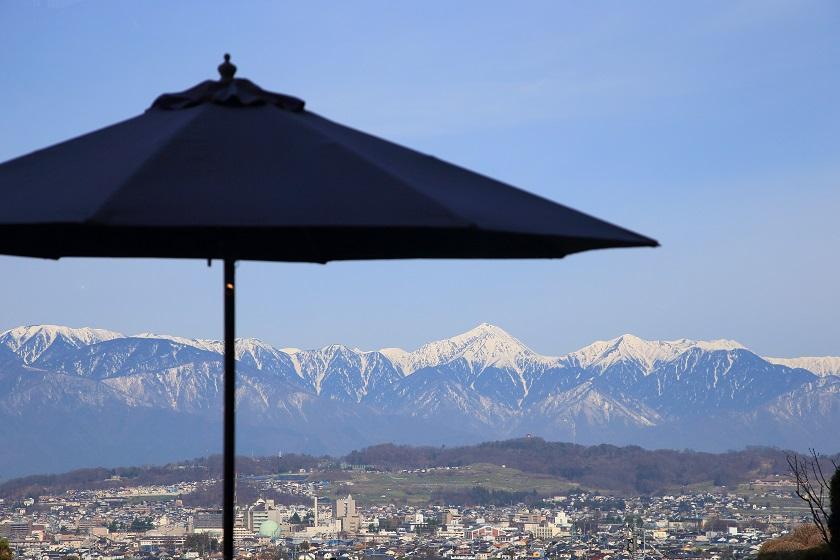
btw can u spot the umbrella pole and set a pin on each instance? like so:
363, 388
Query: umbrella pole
229, 411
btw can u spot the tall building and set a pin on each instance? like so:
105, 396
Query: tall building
345, 511
345, 506
260, 512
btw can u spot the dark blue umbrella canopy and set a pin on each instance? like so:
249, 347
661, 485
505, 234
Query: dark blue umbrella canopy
228, 170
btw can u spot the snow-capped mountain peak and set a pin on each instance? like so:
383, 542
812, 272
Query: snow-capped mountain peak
714, 345
31, 341
483, 381
200, 343
819, 365
481, 347
394, 354
645, 353
252, 348
257, 352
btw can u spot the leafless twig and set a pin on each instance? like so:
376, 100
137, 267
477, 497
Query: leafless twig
812, 487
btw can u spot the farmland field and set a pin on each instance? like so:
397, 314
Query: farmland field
417, 487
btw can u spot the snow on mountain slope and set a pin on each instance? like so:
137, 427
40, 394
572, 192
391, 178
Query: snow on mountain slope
647, 354
811, 401
584, 403
480, 384
822, 366
191, 387
47, 393
200, 343
485, 359
481, 347
251, 350
702, 382
124, 356
339, 372
31, 342
397, 356
435, 393
263, 357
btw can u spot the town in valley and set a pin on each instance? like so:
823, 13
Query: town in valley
316, 515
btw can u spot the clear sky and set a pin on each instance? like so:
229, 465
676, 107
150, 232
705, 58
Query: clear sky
713, 127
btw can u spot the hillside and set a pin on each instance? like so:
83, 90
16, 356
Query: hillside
550, 466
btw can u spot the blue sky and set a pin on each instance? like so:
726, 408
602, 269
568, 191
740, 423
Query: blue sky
711, 126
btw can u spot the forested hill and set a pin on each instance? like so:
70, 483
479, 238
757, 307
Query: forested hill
608, 467
623, 470
204, 468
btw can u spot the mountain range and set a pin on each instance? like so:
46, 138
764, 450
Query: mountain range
81, 397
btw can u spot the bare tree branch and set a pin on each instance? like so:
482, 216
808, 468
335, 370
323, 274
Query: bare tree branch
811, 488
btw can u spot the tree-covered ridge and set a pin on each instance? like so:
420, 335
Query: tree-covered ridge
606, 467
100, 478
629, 469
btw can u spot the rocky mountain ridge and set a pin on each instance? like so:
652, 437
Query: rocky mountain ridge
69, 394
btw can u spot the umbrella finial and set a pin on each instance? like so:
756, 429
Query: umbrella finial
226, 69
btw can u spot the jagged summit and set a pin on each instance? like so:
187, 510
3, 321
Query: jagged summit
820, 365
83, 335
483, 329
244, 346
394, 354
485, 345
646, 353
478, 384
31, 341
200, 343
481, 347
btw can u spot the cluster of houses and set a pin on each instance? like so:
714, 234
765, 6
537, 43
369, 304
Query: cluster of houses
154, 522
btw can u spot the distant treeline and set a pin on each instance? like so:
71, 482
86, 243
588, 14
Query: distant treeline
610, 468
481, 496
629, 469
186, 471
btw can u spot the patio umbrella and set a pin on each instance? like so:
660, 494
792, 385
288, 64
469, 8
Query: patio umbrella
226, 170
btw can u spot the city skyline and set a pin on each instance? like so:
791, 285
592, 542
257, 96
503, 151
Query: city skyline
517, 512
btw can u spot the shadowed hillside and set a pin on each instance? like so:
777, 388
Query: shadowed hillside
620, 470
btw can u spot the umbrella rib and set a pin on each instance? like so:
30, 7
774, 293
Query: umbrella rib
95, 216
348, 147
390, 173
